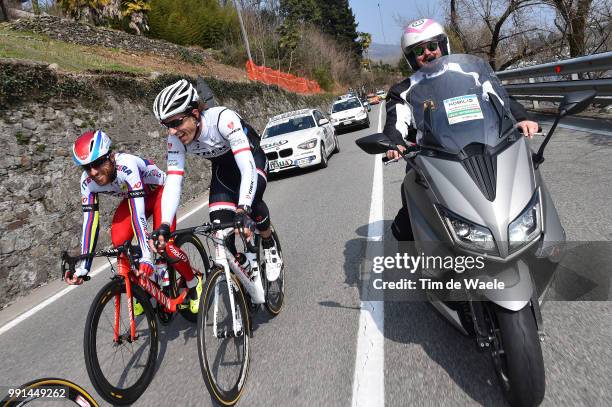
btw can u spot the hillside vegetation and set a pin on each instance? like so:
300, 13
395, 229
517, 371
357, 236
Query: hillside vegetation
79, 47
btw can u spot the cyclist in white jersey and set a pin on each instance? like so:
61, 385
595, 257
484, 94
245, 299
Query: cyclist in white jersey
239, 165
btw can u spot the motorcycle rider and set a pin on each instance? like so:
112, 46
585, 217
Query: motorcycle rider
423, 41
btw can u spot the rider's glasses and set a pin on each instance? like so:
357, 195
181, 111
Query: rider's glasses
420, 49
173, 124
95, 164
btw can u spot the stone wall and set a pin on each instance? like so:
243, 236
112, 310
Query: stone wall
42, 112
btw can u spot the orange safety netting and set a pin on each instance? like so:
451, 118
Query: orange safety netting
286, 81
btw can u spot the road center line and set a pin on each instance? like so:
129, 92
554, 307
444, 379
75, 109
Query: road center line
369, 378
59, 294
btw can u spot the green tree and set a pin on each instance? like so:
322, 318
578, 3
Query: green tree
303, 11
365, 39
193, 22
35, 7
403, 67
88, 10
337, 19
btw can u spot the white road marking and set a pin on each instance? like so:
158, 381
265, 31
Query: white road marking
56, 296
369, 378
584, 129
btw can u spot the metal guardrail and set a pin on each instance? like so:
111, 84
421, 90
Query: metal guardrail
553, 90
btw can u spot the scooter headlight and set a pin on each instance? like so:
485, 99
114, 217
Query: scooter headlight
469, 235
527, 226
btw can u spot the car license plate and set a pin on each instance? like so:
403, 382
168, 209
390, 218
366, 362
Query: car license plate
348, 122
279, 164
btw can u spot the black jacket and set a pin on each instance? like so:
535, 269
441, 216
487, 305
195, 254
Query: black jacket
397, 124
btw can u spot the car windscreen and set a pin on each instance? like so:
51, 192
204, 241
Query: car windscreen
458, 90
289, 126
345, 105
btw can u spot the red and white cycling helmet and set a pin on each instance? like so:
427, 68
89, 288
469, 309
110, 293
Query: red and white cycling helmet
90, 146
174, 99
420, 31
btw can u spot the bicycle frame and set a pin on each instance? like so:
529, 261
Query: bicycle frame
228, 261
151, 288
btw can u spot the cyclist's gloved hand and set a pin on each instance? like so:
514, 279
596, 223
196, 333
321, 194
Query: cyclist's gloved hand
241, 220
159, 238
77, 277
146, 268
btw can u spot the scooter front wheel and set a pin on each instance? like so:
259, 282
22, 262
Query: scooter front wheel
517, 355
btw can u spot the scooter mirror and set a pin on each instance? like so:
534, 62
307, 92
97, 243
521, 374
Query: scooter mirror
375, 143
576, 102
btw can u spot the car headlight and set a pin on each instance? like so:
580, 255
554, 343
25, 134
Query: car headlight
469, 235
307, 145
527, 226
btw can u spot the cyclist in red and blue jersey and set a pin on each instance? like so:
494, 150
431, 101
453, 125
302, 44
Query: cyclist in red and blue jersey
140, 184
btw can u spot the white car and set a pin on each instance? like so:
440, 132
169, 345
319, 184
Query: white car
298, 139
348, 113
381, 94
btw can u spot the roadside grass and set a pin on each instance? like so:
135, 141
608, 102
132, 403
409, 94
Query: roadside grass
69, 57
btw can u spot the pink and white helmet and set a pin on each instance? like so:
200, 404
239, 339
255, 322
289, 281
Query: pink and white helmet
420, 31
90, 146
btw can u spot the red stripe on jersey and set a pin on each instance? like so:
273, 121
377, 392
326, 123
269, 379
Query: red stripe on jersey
242, 149
176, 172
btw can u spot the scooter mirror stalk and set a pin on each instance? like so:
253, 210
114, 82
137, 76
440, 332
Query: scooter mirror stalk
574, 102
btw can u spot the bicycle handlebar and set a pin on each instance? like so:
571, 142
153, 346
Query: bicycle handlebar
208, 228
69, 262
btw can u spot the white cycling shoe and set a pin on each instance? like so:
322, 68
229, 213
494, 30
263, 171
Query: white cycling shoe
274, 263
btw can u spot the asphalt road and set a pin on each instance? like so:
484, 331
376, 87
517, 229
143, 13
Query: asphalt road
306, 355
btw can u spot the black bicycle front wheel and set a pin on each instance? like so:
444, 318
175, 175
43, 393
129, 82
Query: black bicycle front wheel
120, 370
198, 259
223, 343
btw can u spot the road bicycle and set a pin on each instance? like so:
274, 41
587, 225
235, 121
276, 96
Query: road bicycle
120, 347
230, 296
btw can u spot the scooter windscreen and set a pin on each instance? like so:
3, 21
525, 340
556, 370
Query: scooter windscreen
452, 106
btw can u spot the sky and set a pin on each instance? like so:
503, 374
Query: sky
369, 19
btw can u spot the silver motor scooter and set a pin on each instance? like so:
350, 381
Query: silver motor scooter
475, 189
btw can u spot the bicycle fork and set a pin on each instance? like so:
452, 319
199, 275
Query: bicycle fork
221, 259
123, 270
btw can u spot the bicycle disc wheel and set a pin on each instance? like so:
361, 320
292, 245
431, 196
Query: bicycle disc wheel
275, 290
223, 353
193, 248
120, 372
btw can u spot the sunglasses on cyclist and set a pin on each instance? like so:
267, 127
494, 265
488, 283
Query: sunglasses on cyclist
96, 164
420, 49
173, 124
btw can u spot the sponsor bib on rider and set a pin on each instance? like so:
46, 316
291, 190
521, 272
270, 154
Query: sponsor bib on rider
462, 108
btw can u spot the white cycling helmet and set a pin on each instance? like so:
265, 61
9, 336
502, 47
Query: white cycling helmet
90, 146
176, 98
420, 31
